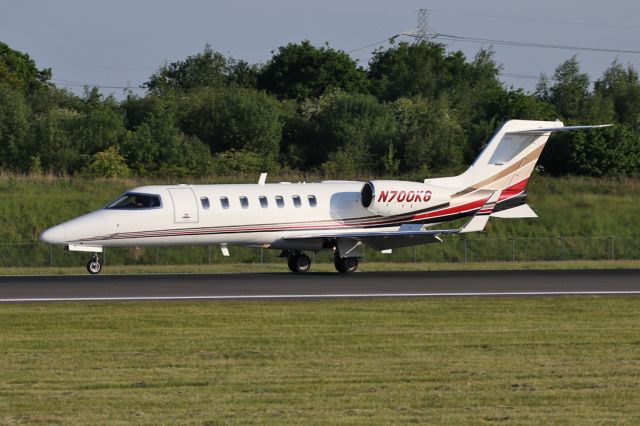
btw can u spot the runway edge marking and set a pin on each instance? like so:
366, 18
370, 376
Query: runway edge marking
324, 296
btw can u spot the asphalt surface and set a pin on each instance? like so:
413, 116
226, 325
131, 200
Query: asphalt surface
318, 285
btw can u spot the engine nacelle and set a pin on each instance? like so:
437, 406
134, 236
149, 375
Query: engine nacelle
392, 197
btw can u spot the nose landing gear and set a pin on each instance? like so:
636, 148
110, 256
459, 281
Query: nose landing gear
94, 266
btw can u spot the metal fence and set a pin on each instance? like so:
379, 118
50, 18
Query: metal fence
455, 249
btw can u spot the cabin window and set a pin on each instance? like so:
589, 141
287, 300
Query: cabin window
205, 203
133, 201
312, 200
264, 203
279, 201
244, 202
224, 202
296, 201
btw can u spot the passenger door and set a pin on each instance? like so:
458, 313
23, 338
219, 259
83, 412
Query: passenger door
185, 205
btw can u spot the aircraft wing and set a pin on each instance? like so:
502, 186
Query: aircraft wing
409, 234
383, 240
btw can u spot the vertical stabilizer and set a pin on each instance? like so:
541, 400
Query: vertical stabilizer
508, 159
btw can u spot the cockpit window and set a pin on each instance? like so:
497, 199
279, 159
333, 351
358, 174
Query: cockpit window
136, 201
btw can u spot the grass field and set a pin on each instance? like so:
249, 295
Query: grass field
561, 360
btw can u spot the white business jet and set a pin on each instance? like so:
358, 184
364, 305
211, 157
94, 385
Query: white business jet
341, 216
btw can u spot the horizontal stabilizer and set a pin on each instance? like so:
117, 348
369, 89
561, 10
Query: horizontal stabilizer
558, 129
520, 212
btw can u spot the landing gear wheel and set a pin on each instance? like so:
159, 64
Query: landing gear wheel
94, 266
299, 262
346, 264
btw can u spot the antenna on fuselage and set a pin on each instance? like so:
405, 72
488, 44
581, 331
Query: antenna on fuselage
263, 179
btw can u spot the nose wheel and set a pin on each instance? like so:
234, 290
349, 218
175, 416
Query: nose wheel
94, 266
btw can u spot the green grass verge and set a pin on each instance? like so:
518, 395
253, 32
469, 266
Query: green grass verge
326, 267
562, 360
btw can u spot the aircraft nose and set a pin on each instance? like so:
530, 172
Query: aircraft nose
54, 235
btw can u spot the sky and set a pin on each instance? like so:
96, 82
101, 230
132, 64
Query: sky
120, 43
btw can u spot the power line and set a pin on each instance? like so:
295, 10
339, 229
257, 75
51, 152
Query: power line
421, 32
421, 35
547, 21
67, 83
479, 40
523, 76
397, 18
102, 67
371, 45
530, 44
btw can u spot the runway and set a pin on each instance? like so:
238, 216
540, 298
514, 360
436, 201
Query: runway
317, 285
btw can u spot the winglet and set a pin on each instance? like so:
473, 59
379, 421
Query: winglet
480, 219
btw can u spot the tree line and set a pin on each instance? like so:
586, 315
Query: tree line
415, 111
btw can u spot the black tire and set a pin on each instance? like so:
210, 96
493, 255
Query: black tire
346, 264
299, 263
94, 266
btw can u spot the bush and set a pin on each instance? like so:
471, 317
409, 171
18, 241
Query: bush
108, 163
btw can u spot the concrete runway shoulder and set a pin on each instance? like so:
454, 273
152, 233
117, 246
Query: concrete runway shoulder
318, 285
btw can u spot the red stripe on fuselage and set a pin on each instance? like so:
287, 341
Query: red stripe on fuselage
513, 190
390, 221
474, 205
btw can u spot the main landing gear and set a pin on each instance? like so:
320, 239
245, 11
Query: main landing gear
299, 262
94, 266
346, 264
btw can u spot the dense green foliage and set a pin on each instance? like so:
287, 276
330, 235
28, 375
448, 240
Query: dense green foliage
302, 71
416, 111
